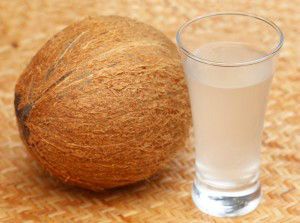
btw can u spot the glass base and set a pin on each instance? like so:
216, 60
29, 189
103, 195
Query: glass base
226, 203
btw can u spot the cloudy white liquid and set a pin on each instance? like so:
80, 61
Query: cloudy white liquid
228, 106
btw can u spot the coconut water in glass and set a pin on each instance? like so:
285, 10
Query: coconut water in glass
229, 62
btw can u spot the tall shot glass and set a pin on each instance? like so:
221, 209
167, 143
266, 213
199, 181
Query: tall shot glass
229, 61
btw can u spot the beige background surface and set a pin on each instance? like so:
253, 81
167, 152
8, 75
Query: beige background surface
28, 194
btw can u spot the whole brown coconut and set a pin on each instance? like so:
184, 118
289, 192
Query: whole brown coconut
103, 103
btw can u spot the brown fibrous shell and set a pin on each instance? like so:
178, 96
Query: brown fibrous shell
103, 103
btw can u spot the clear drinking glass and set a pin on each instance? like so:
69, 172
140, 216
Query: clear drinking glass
229, 61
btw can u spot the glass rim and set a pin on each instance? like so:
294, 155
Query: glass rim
223, 64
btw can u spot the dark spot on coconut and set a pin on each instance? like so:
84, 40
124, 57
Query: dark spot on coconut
22, 115
25, 112
26, 132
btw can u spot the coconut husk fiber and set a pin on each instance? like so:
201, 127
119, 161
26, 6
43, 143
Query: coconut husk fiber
103, 103
28, 194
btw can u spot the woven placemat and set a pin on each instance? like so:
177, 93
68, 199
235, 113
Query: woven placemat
28, 194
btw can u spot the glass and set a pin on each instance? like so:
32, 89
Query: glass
229, 61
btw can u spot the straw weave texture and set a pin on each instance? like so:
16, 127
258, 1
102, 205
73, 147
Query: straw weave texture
27, 194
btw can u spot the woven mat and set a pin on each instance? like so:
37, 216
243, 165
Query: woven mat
28, 194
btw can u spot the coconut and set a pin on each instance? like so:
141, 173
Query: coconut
103, 103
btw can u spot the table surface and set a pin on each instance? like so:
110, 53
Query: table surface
27, 193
